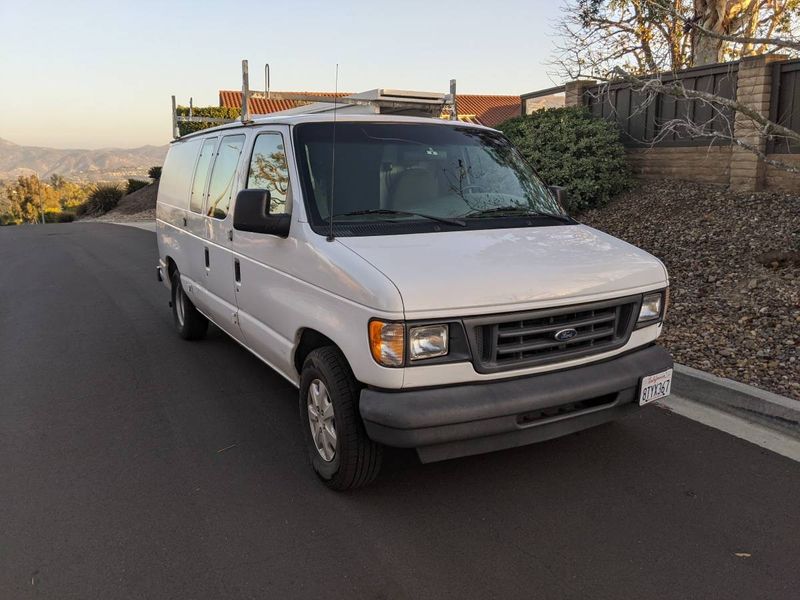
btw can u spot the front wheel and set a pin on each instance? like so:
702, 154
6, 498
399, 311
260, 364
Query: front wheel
190, 324
340, 451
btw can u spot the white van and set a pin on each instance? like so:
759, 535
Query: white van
449, 304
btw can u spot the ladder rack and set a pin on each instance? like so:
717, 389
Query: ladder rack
377, 101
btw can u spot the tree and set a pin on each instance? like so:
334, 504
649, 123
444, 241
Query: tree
627, 40
649, 36
29, 198
715, 25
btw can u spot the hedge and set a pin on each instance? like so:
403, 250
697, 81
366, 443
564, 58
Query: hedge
216, 112
570, 148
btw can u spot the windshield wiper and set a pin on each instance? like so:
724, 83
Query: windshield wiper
389, 211
513, 211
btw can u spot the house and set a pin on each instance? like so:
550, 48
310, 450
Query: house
489, 110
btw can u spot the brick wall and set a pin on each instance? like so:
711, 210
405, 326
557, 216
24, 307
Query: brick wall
729, 165
693, 163
783, 181
753, 89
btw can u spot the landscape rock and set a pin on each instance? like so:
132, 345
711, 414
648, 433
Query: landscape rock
734, 275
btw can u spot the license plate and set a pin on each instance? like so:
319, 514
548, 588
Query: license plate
655, 387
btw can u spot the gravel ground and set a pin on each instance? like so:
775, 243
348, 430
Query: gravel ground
734, 265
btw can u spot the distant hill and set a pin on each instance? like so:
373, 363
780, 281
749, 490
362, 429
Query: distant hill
105, 164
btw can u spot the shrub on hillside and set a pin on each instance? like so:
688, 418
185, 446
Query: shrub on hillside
135, 184
154, 173
58, 217
101, 200
570, 148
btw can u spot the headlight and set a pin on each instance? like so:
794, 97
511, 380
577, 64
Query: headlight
387, 343
652, 305
427, 341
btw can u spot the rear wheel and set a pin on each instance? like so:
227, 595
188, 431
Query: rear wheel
340, 451
190, 324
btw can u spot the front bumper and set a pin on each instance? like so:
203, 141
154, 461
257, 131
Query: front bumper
448, 422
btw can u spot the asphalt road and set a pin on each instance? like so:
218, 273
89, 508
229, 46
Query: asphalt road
136, 465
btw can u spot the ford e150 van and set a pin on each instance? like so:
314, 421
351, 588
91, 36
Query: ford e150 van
414, 278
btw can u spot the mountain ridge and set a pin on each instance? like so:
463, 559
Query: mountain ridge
84, 165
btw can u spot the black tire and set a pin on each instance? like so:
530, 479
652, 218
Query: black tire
190, 324
357, 459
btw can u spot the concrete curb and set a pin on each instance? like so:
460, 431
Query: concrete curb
146, 225
746, 401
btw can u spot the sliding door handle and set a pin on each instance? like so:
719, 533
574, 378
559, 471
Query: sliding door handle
208, 259
237, 270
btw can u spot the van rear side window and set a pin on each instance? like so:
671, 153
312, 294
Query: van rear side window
173, 189
201, 174
223, 176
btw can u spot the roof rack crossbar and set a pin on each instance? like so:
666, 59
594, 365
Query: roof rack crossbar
385, 99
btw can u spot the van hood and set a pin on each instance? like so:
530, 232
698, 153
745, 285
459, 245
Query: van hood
466, 272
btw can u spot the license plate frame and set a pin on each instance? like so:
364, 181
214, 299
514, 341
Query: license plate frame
655, 387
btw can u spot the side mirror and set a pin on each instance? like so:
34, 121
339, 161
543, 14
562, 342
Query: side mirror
560, 194
251, 213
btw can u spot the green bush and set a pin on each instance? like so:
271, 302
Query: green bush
53, 216
570, 148
58, 217
101, 200
154, 173
137, 184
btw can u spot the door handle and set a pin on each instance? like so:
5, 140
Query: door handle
237, 270
208, 260
184, 221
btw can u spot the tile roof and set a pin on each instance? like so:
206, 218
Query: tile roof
263, 106
489, 110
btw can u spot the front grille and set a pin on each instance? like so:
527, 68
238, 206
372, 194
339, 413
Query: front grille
519, 340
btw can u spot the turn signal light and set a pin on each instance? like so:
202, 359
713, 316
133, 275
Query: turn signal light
387, 343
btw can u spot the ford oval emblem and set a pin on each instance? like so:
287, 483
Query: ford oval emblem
565, 335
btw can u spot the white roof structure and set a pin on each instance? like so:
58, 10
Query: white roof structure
375, 102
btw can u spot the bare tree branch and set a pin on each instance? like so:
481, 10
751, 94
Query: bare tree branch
681, 126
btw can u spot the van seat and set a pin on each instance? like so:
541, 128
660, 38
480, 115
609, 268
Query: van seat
411, 187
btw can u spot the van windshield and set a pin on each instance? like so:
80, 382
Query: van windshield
415, 177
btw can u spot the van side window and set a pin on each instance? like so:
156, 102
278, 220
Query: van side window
223, 176
269, 170
201, 174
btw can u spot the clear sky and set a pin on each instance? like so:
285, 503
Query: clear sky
90, 74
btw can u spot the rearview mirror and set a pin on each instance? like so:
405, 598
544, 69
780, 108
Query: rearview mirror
251, 213
560, 194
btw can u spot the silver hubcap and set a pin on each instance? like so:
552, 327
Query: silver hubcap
180, 304
321, 420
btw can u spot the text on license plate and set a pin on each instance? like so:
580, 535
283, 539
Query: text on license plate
655, 387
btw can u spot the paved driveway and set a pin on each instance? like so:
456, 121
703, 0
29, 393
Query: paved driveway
136, 465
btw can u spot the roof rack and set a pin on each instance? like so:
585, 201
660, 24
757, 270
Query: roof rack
377, 101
